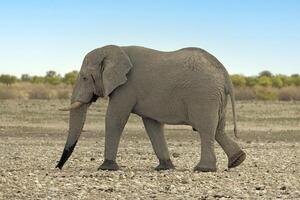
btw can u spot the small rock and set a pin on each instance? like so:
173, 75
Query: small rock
283, 188
184, 181
176, 155
109, 190
259, 187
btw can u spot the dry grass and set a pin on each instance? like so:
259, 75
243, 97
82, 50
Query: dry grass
244, 93
25, 90
289, 94
34, 91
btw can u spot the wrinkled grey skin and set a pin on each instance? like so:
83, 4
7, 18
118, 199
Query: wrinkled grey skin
188, 86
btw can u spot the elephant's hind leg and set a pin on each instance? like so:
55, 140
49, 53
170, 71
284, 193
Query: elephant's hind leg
234, 153
205, 122
155, 132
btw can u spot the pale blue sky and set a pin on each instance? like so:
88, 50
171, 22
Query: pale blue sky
246, 36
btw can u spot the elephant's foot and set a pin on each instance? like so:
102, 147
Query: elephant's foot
204, 169
110, 165
164, 165
201, 167
236, 159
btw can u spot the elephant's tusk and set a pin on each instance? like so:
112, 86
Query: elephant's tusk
73, 106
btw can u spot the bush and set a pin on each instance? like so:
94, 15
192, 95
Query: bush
289, 93
53, 78
40, 92
277, 82
266, 94
264, 81
250, 81
287, 81
6, 93
37, 79
296, 80
70, 77
63, 94
244, 93
238, 80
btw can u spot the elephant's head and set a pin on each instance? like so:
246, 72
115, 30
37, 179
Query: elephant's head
102, 71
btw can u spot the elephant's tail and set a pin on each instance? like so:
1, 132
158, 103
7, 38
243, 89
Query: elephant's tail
230, 91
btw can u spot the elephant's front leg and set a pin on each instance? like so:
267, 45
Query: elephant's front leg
116, 118
155, 132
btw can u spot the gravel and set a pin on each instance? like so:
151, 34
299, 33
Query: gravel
33, 134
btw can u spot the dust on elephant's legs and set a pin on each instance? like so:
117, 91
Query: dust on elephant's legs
234, 153
155, 132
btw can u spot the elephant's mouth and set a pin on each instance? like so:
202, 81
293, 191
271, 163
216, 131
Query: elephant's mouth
78, 104
94, 98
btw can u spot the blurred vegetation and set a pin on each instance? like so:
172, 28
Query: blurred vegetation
265, 86
51, 77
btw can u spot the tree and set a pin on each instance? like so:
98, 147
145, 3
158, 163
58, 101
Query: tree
51, 73
7, 79
25, 77
265, 73
53, 78
70, 77
37, 79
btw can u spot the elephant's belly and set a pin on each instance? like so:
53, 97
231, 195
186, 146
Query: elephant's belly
167, 114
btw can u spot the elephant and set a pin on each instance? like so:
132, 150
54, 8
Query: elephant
183, 87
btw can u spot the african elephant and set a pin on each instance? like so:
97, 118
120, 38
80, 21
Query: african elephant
188, 87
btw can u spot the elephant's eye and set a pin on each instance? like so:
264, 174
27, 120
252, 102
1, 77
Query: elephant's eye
84, 78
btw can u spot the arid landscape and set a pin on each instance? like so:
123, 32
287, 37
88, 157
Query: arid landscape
33, 134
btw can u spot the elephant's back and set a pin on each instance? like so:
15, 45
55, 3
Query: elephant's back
187, 67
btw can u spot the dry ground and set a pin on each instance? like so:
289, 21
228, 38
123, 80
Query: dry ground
33, 133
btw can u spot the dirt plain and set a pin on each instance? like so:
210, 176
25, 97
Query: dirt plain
33, 134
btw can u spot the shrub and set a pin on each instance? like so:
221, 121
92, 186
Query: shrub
251, 81
37, 79
264, 81
286, 80
277, 82
63, 94
70, 77
53, 78
289, 93
238, 80
296, 80
266, 93
8, 93
244, 93
40, 92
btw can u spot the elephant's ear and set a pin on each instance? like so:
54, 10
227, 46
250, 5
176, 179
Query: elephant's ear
116, 65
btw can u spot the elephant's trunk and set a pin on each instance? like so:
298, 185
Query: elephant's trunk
77, 119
